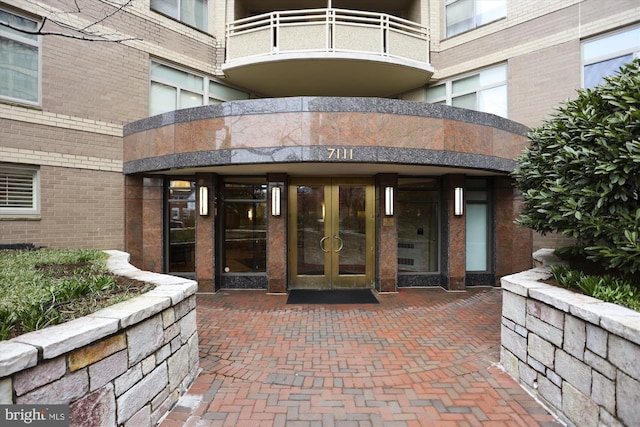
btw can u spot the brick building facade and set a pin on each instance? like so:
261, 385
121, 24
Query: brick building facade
90, 127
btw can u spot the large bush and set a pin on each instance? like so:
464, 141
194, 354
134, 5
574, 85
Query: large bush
581, 174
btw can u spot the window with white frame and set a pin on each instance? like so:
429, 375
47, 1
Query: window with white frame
603, 56
19, 188
465, 15
220, 93
175, 89
190, 12
19, 58
484, 91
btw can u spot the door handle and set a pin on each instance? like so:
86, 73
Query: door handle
340, 243
322, 244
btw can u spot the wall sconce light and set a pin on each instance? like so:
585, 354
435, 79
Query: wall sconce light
458, 201
388, 201
203, 201
275, 201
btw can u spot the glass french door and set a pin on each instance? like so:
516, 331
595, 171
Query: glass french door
331, 235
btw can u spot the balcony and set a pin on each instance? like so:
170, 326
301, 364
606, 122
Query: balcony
327, 52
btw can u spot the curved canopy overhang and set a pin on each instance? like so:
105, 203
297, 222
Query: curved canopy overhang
323, 136
333, 73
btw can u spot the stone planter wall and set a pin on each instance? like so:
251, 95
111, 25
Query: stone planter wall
578, 355
125, 365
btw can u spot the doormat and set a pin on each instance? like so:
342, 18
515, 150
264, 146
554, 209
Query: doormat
338, 296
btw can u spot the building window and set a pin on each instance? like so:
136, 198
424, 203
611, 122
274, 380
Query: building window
477, 227
484, 91
418, 238
19, 190
220, 93
19, 58
190, 12
182, 226
465, 15
175, 89
603, 56
245, 225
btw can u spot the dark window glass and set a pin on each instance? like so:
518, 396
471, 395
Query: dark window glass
182, 226
417, 215
245, 225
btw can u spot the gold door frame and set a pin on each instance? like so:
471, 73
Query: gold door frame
330, 243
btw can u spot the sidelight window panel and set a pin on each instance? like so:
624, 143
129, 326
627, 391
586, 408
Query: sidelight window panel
418, 232
182, 226
245, 225
477, 226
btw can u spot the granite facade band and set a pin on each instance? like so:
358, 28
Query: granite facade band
325, 105
124, 365
294, 130
379, 155
575, 353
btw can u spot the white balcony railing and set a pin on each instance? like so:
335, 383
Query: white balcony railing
326, 31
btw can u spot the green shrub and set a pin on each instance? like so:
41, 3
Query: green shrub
49, 286
581, 174
8, 319
607, 288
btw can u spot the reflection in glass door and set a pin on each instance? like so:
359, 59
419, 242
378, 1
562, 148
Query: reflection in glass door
182, 226
417, 213
331, 233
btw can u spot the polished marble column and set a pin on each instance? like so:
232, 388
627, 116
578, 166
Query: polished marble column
152, 244
387, 236
206, 235
456, 236
277, 236
133, 218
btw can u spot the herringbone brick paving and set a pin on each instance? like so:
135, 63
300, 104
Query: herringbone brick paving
422, 357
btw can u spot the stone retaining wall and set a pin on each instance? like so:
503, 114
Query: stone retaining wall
580, 356
125, 365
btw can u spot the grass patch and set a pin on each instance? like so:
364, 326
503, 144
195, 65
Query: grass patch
613, 289
44, 287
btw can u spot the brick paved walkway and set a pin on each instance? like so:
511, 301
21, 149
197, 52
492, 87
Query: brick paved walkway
419, 358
